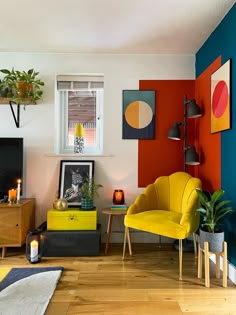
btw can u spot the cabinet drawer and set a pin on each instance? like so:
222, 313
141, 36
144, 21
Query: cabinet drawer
9, 236
10, 218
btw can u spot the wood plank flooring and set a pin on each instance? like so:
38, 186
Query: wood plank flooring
144, 284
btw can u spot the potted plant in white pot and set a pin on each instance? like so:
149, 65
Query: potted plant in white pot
89, 190
213, 209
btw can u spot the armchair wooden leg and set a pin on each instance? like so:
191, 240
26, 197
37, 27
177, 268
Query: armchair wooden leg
127, 237
124, 245
195, 245
129, 242
159, 241
180, 259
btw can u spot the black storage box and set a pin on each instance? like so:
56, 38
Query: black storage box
61, 243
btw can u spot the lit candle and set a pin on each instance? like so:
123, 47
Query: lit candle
18, 190
34, 246
12, 195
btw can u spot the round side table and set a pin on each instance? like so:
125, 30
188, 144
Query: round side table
111, 213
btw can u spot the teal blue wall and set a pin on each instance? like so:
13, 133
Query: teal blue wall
223, 42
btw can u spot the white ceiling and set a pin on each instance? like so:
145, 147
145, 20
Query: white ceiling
109, 26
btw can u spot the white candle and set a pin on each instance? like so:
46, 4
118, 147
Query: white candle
34, 247
18, 190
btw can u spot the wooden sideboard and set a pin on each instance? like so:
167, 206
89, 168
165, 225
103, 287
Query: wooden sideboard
15, 221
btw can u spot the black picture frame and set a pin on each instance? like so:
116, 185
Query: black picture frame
72, 176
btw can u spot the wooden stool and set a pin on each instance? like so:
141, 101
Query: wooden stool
207, 267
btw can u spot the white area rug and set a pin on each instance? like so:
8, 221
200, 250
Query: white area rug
30, 295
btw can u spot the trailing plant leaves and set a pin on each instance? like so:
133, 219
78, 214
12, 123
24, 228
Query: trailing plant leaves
13, 77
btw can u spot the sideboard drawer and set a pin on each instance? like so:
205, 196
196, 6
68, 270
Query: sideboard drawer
72, 220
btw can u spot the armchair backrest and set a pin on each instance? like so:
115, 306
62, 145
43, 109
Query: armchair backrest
177, 192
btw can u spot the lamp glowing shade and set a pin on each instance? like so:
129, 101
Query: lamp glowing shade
118, 197
192, 157
174, 132
194, 110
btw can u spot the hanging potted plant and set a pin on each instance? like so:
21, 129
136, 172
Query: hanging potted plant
213, 209
23, 86
89, 190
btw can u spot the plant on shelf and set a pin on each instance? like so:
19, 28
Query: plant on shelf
4, 91
213, 210
89, 190
23, 86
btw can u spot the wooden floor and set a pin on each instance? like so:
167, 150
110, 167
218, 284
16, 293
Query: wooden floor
145, 284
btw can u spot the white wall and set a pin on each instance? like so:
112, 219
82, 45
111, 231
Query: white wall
37, 124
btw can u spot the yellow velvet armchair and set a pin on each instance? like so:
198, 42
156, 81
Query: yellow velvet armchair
167, 207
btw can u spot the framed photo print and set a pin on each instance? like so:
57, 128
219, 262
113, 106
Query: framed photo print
72, 176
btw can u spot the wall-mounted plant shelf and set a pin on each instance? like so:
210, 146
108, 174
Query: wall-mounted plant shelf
4, 100
16, 116
23, 87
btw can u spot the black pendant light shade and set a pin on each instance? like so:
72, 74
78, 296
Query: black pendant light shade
191, 156
174, 132
191, 110
194, 110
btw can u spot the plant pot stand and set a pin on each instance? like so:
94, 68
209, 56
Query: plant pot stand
207, 254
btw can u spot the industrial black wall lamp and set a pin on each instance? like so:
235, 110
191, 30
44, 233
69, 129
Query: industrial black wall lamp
191, 110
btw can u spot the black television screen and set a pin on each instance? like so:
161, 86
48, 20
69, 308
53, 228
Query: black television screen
11, 164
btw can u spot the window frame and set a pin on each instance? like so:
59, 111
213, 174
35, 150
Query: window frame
61, 114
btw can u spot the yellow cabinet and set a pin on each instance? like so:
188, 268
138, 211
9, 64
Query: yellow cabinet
72, 219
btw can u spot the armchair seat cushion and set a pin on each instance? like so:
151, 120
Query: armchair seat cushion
162, 222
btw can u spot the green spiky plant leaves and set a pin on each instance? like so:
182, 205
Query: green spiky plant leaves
213, 209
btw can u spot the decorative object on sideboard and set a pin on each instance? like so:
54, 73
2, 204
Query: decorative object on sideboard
12, 196
34, 245
18, 190
79, 139
60, 204
193, 111
118, 197
89, 191
21, 88
213, 209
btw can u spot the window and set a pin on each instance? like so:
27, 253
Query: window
80, 99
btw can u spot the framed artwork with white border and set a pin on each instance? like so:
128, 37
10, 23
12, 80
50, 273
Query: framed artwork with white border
220, 98
72, 177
